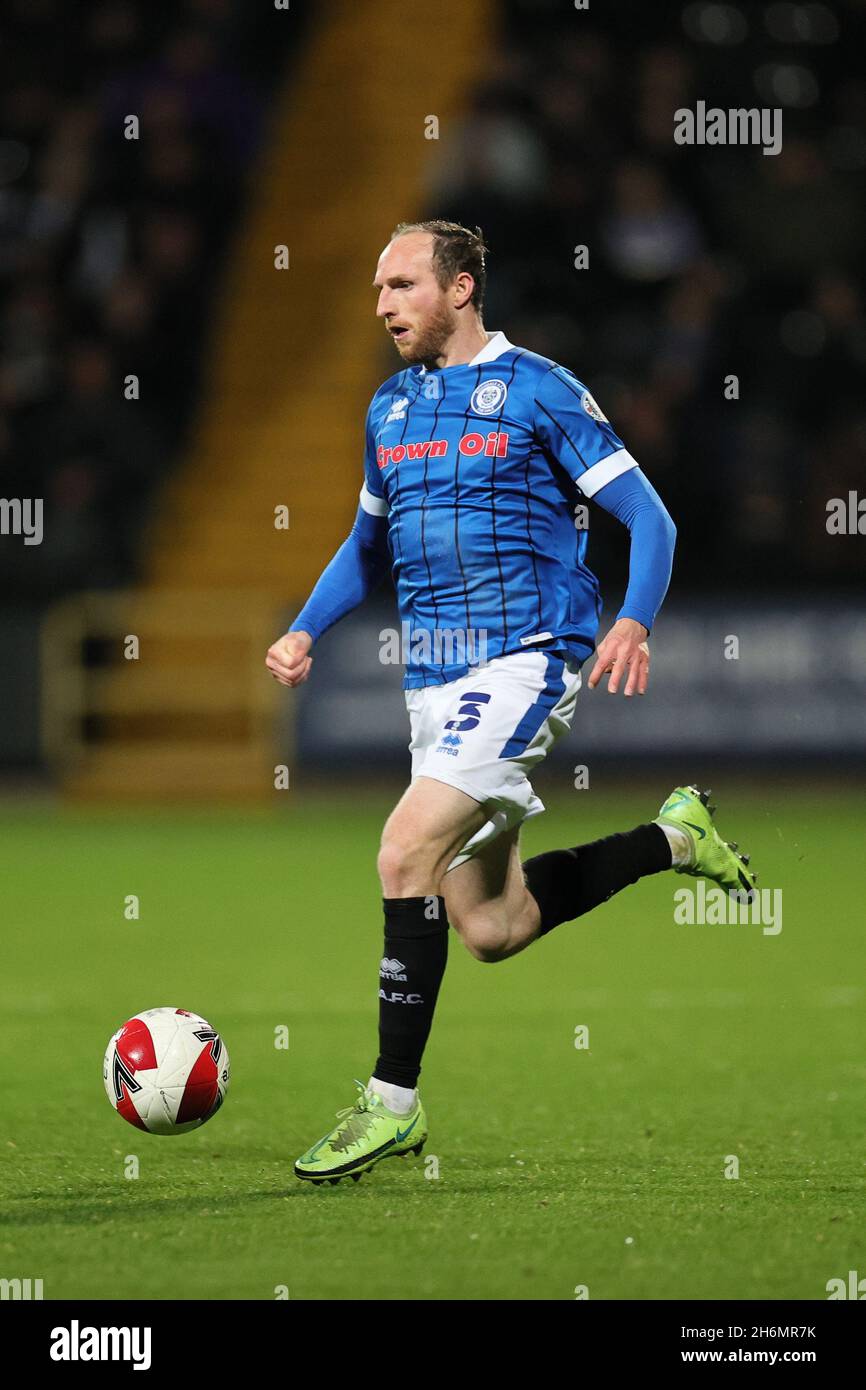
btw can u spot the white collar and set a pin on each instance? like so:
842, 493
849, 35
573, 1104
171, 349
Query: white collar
496, 344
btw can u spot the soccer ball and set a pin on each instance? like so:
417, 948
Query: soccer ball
166, 1071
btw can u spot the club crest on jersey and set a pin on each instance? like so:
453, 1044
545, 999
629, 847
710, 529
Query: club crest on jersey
488, 397
398, 409
592, 408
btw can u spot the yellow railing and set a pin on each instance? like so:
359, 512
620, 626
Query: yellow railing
295, 356
146, 693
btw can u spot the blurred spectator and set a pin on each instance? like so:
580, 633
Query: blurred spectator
110, 252
647, 234
703, 263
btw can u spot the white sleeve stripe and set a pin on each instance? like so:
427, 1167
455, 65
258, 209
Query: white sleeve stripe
605, 471
375, 506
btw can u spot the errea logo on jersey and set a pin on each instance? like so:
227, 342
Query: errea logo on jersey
398, 409
493, 445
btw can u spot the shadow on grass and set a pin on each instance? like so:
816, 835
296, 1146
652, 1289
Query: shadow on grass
87, 1207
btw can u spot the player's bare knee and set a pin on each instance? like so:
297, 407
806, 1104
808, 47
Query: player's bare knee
404, 867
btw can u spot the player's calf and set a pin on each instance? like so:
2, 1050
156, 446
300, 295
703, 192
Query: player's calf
566, 883
484, 937
570, 882
494, 932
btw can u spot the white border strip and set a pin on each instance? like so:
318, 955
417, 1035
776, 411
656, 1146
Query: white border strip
374, 506
605, 471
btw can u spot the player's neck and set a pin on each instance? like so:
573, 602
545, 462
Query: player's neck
463, 345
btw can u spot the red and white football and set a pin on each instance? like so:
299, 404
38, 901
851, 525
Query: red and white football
166, 1071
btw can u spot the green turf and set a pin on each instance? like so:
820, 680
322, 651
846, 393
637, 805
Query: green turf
557, 1167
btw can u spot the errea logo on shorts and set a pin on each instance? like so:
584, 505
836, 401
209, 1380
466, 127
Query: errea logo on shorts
492, 445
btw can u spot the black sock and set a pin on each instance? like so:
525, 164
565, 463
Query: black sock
416, 950
568, 882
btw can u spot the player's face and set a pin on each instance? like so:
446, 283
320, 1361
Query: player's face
417, 311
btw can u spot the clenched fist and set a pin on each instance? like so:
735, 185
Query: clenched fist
288, 660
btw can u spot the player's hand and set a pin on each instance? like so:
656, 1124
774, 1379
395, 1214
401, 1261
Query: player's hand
288, 660
625, 654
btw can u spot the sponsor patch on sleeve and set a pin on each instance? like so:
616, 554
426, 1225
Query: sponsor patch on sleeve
592, 407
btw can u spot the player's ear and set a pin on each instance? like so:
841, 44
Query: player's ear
463, 289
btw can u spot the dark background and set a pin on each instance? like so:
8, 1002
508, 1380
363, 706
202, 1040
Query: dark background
703, 262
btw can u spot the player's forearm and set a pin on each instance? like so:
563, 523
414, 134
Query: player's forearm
355, 571
653, 536
635, 502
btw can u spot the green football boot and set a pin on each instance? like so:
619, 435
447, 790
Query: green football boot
688, 809
367, 1132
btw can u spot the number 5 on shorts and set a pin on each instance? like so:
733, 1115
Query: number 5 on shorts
470, 709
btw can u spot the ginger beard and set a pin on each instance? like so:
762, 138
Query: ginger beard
429, 338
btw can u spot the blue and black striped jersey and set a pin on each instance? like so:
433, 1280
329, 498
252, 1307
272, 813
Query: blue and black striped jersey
479, 468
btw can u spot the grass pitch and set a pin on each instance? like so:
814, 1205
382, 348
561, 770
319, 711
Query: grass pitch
558, 1166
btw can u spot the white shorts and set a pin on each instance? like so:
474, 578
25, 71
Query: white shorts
485, 732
